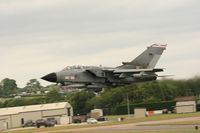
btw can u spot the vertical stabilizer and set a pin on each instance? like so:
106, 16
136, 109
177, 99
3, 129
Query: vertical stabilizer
147, 59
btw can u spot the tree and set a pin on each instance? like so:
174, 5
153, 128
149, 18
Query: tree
1, 90
22, 101
79, 101
9, 86
33, 86
54, 96
1, 104
53, 87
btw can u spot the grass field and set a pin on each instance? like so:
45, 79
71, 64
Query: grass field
131, 119
113, 121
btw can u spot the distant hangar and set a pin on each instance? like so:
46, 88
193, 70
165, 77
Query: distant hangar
13, 117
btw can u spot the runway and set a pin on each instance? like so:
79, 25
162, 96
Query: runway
140, 126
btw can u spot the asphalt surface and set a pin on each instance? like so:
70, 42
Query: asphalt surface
120, 128
140, 126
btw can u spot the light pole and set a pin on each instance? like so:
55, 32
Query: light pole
128, 105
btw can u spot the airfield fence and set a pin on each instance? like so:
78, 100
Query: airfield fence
122, 109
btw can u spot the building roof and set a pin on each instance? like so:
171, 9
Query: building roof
32, 108
186, 98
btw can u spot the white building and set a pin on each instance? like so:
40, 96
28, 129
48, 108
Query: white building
185, 104
16, 116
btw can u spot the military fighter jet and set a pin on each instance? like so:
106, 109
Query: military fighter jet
138, 70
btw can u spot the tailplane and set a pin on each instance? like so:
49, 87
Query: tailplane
148, 59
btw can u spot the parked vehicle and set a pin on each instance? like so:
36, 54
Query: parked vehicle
76, 121
91, 121
45, 123
53, 120
101, 118
29, 123
79, 118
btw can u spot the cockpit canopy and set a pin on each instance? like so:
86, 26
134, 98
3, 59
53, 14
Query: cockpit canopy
78, 67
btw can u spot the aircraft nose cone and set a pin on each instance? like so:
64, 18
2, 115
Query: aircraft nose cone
50, 77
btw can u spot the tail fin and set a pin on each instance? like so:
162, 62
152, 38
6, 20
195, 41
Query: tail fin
148, 59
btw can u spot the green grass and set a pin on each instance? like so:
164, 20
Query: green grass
131, 119
113, 121
196, 122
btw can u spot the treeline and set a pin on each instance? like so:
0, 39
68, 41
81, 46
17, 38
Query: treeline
113, 100
9, 88
140, 93
50, 97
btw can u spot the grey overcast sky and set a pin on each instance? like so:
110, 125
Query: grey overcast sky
41, 36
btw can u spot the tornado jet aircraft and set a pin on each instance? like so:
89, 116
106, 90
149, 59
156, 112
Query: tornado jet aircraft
141, 69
